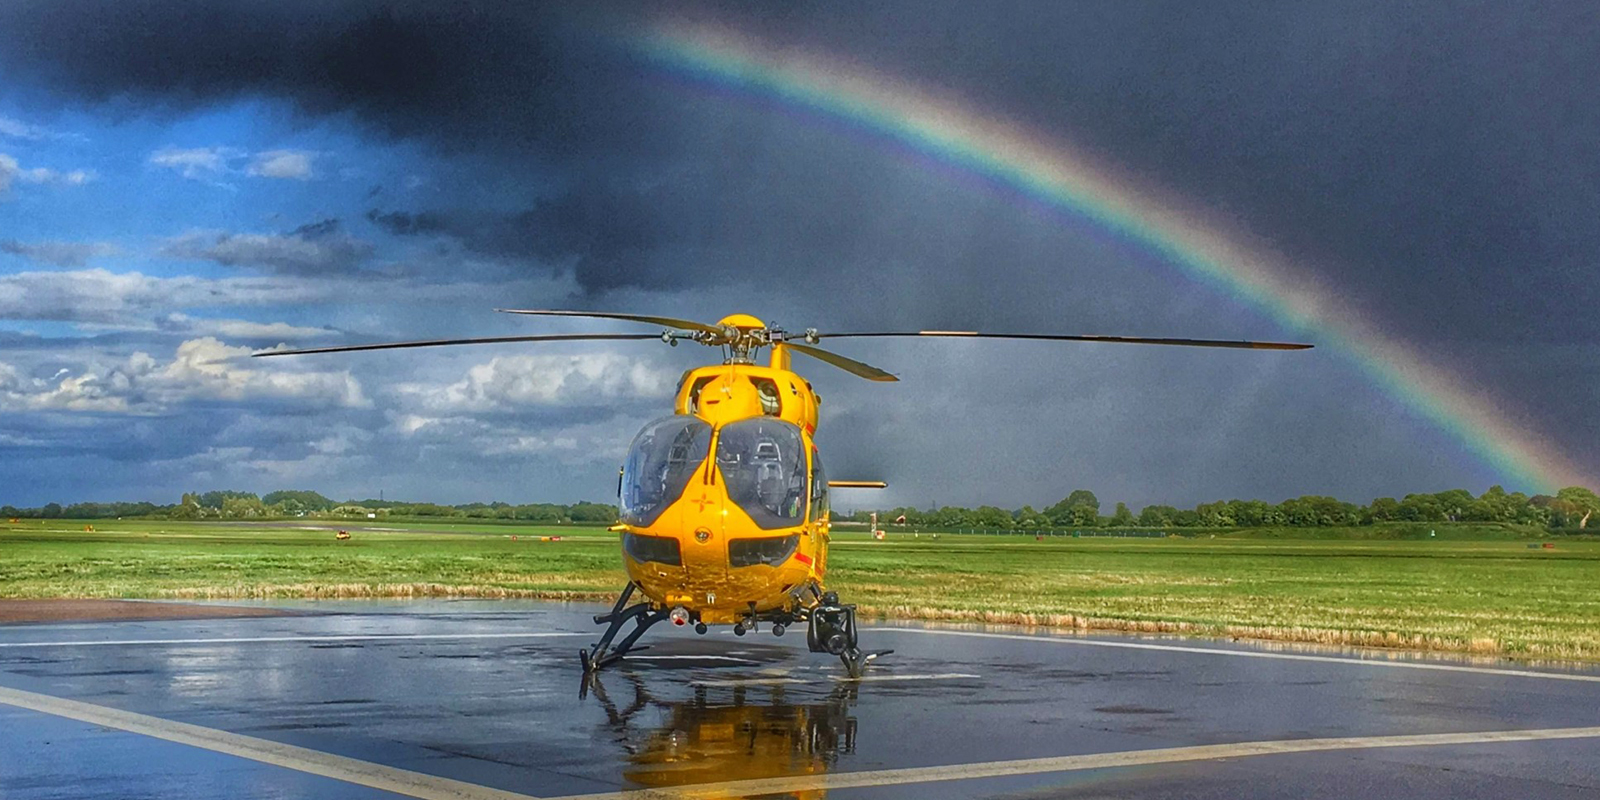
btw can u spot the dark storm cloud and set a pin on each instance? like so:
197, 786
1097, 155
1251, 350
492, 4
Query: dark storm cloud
510, 73
401, 223
608, 236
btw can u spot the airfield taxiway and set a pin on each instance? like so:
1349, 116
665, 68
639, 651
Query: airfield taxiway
479, 699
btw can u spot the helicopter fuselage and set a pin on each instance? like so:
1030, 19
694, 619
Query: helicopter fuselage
724, 504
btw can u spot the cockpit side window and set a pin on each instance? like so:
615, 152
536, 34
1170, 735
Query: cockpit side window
661, 460
764, 467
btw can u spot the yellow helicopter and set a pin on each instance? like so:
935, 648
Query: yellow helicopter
724, 502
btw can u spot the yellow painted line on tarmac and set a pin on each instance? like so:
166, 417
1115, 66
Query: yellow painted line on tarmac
1036, 766
301, 759
1217, 651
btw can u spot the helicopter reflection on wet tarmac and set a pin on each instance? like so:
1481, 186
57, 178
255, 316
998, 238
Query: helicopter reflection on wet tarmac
726, 733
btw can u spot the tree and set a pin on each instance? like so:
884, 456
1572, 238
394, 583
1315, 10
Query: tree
1382, 509
1454, 503
248, 506
592, 512
1084, 497
1215, 515
1584, 503
298, 500
991, 517
1122, 518
1026, 517
215, 500
1157, 516
1421, 508
1079, 508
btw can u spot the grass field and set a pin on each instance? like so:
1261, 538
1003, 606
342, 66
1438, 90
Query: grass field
1479, 590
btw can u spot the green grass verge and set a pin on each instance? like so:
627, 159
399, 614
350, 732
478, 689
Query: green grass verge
1468, 589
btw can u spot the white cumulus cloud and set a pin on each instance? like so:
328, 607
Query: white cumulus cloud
195, 163
203, 369
509, 383
239, 328
211, 164
283, 164
17, 129
104, 297
12, 172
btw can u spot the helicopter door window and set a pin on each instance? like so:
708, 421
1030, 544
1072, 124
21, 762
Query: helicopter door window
661, 460
764, 467
819, 489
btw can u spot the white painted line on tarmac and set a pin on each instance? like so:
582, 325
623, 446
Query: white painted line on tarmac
1217, 651
350, 770
872, 678
1035, 766
354, 637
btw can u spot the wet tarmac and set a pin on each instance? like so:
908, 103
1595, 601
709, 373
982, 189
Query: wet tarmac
480, 699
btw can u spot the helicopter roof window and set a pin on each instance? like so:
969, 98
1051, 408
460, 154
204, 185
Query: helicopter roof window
661, 460
694, 392
763, 464
767, 390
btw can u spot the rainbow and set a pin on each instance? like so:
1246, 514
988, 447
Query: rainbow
1051, 172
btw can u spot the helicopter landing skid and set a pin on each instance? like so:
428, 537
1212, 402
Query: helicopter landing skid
833, 630
602, 653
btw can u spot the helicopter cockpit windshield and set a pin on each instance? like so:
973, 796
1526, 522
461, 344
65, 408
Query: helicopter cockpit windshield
661, 460
764, 465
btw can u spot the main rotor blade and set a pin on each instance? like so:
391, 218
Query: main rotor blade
555, 337
670, 322
1243, 345
850, 365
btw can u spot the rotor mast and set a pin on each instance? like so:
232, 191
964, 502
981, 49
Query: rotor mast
744, 336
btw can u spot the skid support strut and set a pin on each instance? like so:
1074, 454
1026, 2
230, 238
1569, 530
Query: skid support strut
833, 630
602, 653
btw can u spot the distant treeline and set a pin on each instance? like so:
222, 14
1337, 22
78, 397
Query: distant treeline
289, 503
1569, 508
